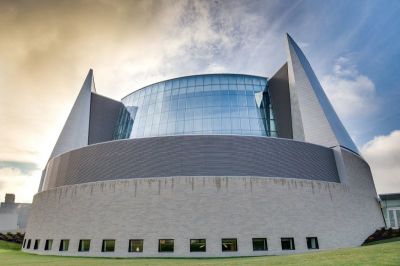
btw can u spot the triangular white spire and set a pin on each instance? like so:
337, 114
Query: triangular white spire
75, 132
313, 117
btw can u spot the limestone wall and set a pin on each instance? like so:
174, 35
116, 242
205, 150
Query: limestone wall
184, 208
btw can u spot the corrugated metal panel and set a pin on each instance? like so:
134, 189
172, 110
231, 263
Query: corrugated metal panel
192, 156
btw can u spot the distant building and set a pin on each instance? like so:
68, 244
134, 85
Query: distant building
391, 209
13, 216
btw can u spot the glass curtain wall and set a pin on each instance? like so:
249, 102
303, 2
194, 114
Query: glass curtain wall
204, 104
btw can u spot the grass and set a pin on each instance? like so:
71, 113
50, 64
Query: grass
9, 245
379, 254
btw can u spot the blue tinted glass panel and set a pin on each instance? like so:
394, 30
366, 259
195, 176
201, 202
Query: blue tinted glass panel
204, 104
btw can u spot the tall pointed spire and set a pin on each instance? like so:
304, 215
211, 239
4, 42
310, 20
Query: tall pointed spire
76, 129
313, 117
89, 81
91, 120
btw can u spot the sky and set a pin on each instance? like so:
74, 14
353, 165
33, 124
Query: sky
47, 48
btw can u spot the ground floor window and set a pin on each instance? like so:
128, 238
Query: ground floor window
48, 244
312, 243
287, 243
136, 245
28, 246
108, 245
64, 243
36, 245
84, 245
197, 245
23, 245
260, 244
229, 244
165, 245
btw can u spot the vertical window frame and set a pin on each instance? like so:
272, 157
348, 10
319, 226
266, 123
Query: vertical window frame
130, 247
228, 239
309, 245
48, 245
198, 239
292, 244
81, 246
166, 251
104, 246
264, 239
64, 245
36, 244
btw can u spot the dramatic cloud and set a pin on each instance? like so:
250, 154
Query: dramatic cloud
383, 155
351, 93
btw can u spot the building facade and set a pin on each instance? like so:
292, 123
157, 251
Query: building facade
391, 209
13, 216
205, 166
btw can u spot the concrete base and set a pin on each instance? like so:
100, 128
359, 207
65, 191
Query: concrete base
184, 208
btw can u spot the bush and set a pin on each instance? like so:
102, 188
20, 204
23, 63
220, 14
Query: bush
14, 238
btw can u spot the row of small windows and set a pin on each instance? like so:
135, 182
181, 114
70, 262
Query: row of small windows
167, 245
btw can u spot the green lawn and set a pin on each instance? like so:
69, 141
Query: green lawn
379, 254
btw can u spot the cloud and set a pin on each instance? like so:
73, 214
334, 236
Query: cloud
383, 155
351, 93
23, 185
24, 167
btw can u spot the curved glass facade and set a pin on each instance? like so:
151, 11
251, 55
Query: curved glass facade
203, 104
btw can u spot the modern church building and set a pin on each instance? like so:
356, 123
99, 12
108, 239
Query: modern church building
205, 166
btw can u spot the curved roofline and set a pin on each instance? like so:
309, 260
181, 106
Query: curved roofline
238, 74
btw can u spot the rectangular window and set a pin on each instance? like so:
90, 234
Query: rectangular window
197, 245
36, 246
165, 245
136, 245
23, 245
48, 244
392, 221
229, 244
287, 243
312, 243
108, 245
64, 244
84, 245
28, 246
260, 244
394, 217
